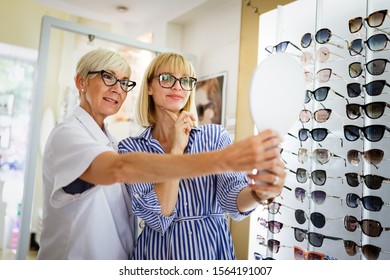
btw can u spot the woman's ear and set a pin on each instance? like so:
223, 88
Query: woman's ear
80, 82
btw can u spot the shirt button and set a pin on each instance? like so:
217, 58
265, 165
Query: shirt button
190, 233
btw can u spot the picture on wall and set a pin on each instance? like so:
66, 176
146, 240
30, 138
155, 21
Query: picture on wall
210, 97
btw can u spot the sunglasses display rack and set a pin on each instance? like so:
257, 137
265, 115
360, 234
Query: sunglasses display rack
336, 200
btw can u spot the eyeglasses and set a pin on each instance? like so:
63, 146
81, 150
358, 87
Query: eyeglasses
273, 226
370, 252
374, 67
323, 54
317, 196
376, 42
321, 115
372, 181
167, 80
373, 88
375, 19
320, 94
300, 254
110, 80
369, 202
373, 110
324, 75
274, 245
274, 208
281, 47
373, 156
372, 133
317, 134
318, 176
324, 35
369, 227
306, 40
319, 155
315, 239
317, 219
258, 256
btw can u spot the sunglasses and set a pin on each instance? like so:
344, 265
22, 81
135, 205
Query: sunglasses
317, 196
274, 245
258, 256
370, 252
372, 133
373, 88
273, 226
376, 42
319, 155
372, 156
324, 75
317, 134
274, 208
373, 110
374, 67
281, 47
324, 35
375, 19
315, 239
318, 176
369, 227
320, 116
300, 254
373, 182
317, 219
320, 94
306, 40
369, 202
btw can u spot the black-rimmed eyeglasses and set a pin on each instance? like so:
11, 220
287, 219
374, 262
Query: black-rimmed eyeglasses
167, 80
110, 80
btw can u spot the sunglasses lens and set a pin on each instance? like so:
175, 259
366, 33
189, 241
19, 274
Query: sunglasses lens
315, 256
352, 179
322, 54
275, 226
320, 94
299, 254
315, 239
323, 36
374, 156
299, 234
307, 97
377, 42
375, 110
317, 219
352, 200
371, 252
301, 175
321, 156
300, 194
371, 228
350, 223
306, 40
356, 47
350, 247
303, 134
376, 66
375, 88
373, 182
324, 75
354, 89
353, 158
355, 24
319, 177
322, 115
374, 133
319, 134
353, 111
376, 19
273, 245
300, 216
281, 47
372, 203
302, 155
304, 116
318, 197
274, 207
355, 69
351, 132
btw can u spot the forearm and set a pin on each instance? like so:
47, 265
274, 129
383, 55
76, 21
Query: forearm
167, 196
245, 200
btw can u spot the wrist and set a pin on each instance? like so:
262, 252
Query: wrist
262, 201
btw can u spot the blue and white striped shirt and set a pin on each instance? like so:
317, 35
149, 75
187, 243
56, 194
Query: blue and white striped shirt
197, 229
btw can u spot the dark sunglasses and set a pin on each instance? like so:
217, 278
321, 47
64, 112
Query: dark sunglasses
274, 208
373, 110
369, 227
376, 42
273, 226
315, 239
369, 202
317, 196
317, 219
374, 67
306, 40
320, 94
274, 245
370, 252
372, 156
281, 47
373, 88
324, 35
258, 256
317, 134
319, 155
318, 176
375, 19
320, 116
372, 133
372, 181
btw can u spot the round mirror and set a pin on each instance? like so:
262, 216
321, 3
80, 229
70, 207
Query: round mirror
277, 93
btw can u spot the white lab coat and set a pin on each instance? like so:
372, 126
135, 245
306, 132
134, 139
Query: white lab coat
96, 223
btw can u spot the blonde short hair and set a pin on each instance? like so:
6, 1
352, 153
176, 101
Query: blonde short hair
102, 59
172, 62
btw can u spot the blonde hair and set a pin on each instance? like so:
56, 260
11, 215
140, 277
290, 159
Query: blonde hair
101, 59
172, 62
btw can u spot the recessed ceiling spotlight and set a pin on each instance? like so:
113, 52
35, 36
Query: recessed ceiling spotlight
122, 9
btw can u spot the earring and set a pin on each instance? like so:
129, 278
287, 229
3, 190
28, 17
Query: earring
82, 90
